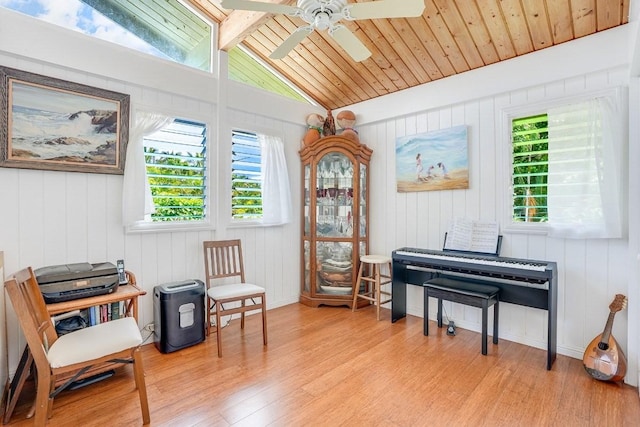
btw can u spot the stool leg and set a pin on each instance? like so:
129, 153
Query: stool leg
356, 288
439, 313
495, 322
425, 312
485, 308
376, 270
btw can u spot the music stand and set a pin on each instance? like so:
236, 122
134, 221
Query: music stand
495, 253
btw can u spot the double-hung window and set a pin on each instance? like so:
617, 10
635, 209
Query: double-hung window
567, 166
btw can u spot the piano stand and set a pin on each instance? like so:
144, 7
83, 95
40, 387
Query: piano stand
463, 292
524, 282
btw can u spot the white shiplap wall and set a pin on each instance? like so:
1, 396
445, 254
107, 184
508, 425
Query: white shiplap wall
55, 217
591, 272
4, 362
49, 217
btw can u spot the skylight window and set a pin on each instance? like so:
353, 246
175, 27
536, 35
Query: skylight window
163, 28
168, 29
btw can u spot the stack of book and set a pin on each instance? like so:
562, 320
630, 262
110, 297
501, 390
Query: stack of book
104, 313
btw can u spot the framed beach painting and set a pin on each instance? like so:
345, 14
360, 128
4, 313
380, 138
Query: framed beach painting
53, 124
436, 160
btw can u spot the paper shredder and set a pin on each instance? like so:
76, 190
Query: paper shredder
178, 315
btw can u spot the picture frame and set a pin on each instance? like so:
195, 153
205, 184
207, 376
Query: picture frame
432, 161
53, 124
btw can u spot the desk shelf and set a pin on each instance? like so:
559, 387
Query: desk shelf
128, 293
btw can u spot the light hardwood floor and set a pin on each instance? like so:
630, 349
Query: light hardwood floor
329, 367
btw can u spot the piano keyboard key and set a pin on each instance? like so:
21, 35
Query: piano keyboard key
498, 262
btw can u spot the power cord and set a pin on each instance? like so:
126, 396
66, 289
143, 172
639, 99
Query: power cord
148, 328
451, 327
212, 323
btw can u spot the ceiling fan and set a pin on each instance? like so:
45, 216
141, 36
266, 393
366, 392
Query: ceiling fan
325, 14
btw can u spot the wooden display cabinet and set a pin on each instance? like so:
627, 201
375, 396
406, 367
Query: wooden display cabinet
335, 217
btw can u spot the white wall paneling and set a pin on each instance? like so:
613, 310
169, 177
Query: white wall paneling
56, 217
4, 362
50, 217
590, 271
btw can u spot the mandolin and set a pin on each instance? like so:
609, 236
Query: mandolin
604, 359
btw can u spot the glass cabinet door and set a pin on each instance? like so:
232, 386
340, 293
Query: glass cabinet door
334, 198
307, 200
363, 202
334, 219
334, 267
307, 229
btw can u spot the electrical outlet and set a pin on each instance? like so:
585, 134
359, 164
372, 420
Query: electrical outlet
150, 327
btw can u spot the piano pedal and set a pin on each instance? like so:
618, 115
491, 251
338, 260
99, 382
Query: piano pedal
451, 329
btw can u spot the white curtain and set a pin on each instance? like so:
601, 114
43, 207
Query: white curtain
585, 169
136, 192
276, 194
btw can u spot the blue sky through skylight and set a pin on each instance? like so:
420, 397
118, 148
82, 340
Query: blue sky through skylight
75, 15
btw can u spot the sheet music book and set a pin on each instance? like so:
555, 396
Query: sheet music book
473, 236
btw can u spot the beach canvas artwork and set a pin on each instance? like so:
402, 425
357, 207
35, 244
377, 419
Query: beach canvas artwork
436, 160
54, 125
58, 125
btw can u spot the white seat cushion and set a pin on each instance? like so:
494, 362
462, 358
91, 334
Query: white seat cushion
235, 290
94, 342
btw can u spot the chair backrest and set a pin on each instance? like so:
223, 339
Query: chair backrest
222, 259
31, 310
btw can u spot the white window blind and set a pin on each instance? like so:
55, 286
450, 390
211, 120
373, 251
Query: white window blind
175, 158
246, 176
568, 168
530, 143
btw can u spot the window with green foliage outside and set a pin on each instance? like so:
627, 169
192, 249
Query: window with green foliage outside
246, 176
176, 168
530, 156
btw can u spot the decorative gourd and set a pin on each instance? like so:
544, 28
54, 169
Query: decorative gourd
314, 129
347, 121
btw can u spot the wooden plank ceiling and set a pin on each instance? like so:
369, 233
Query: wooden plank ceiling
451, 37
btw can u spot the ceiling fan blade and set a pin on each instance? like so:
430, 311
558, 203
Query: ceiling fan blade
291, 42
384, 9
259, 6
350, 43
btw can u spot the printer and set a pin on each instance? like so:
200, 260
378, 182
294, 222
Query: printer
73, 281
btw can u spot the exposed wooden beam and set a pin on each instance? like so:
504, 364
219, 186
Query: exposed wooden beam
240, 24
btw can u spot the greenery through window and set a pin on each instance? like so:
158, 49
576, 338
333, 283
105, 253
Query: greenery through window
530, 142
176, 167
246, 176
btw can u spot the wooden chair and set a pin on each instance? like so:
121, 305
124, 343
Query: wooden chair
222, 261
61, 360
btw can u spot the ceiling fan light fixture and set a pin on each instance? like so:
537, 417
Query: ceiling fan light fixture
325, 15
322, 20
334, 6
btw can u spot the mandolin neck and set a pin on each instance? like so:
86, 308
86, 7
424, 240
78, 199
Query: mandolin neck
606, 333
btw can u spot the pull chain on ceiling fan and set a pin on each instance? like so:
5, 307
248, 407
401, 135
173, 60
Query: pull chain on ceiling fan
325, 15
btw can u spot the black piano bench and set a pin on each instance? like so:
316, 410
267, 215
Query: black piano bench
463, 292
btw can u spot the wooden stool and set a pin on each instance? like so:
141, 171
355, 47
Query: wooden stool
375, 277
463, 292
